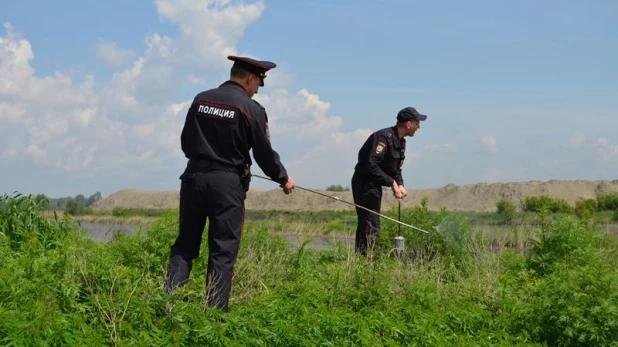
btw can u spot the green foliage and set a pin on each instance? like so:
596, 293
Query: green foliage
129, 212
337, 188
448, 234
79, 202
564, 292
57, 287
21, 224
506, 210
607, 202
586, 208
74, 208
545, 203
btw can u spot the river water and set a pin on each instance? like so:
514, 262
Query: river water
103, 232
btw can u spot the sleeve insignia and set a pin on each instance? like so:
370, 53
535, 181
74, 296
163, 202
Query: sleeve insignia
380, 147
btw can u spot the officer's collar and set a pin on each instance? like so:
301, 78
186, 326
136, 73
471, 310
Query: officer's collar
230, 83
397, 141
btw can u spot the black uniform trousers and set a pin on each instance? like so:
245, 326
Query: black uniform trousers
219, 197
369, 195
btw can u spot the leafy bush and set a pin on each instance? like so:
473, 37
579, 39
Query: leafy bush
444, 237
585, 208
74, 209
506, 210
564, 292
545, 203
607, 202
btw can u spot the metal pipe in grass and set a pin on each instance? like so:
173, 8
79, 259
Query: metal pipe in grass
353, 204
399, 239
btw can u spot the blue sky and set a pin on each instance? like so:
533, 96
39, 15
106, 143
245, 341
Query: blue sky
515, 91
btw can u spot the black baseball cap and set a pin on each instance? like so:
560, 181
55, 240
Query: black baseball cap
410, 113
258, 67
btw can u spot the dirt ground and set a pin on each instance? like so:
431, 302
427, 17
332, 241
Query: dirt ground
474, 197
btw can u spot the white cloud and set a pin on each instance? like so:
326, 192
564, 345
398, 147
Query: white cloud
131, 126
607, 151
209, 29
36, 152
314, 147
111, 54
490, 144
304, 115
578, 140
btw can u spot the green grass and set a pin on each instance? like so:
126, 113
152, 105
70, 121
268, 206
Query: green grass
455, 287
128, 212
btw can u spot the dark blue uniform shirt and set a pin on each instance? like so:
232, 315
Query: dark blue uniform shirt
381, 157
223, 124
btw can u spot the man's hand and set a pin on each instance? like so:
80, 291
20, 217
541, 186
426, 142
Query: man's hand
403, 191
289, 185
396, 190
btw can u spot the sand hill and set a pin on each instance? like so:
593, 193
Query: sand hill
474, 197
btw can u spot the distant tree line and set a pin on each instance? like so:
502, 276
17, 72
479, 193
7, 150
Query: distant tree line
337, 188
70, 205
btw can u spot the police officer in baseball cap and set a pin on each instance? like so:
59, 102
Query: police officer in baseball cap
222, 125
410, 114
380, 160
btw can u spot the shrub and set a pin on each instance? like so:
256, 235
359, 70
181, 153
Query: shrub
564, 293
448, 234
607, 202
585, 208
506, 209
74, 208
545, 203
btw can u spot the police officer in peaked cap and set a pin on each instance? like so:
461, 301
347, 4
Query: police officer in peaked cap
220, 128
380, 160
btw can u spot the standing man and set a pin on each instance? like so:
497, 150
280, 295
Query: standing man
379, 164
221, 126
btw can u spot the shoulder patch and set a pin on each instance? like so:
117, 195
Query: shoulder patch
380, 147
217, 111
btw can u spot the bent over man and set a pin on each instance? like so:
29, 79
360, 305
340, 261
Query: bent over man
379, 164
221, 126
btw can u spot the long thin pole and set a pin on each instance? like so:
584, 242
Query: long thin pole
399, 216
353, 204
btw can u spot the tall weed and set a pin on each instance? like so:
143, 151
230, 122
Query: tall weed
57, 287
563, 292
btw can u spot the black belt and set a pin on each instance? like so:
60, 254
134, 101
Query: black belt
208, 165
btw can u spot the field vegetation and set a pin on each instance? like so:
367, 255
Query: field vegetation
532, 278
